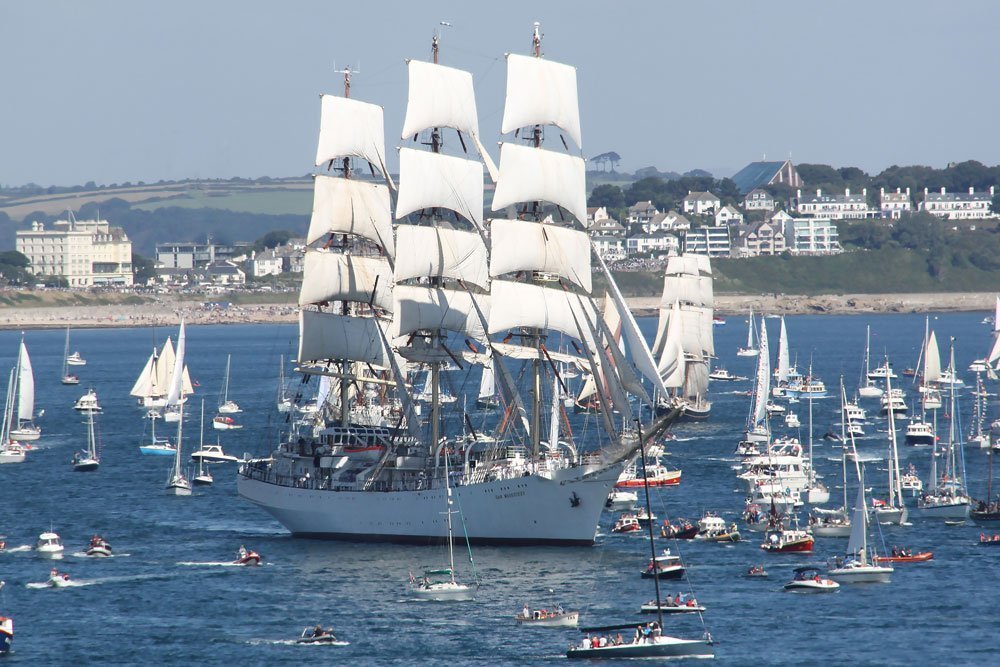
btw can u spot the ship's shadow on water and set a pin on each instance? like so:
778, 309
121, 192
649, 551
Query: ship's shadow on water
176, 600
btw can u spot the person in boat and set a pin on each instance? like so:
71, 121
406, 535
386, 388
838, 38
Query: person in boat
242, 553
618, 639
525, 612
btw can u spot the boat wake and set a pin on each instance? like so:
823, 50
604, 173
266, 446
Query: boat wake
79, 583
14, 550
227, 563
41, 585
294, 642
83, 554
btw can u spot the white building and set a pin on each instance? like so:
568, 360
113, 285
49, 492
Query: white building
651, 243
762, 238
834, 207
759, 200
225, 273
85, 252
959, 206
266, 263
672, 221
641, 212
810, 236
728, 215
711, 241
701, 203
610, 248
894, 204
607, 227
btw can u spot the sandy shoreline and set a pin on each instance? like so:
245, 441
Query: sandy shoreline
168, 313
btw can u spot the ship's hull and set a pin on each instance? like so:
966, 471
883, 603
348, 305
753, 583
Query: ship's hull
519, 511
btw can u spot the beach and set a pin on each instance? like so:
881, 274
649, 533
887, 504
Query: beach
167, 311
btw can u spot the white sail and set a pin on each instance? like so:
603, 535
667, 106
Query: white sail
687, 289
441, 253
707, 331
534, 174
351, 206
932, 361
419, 308
763, 389
177, 373
696, 382
518, 245
330, 276
750, 332
523, 305
324, 389
165, 366
996, 316
784, 362
994, 356
690, 265
351, 128
326, 336
672, 366
439, 96
487, 382
25, 387
145, 384
433, 180
858, 542
520, 352
541, 92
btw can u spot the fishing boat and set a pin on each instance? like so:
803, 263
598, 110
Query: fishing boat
89, 459
99, 547
49, 546
749, 350
854, 566
88, 403
23, 428
808, 580
648, 641
67, 377
783, 540
557, 617
226, 406
177, 483
714, 529
626, 523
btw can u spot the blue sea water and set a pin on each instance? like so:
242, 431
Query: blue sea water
145, 605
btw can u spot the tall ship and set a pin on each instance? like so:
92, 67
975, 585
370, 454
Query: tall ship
437, 286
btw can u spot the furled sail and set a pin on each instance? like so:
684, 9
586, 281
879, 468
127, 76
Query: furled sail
530, 174
438, 252
541, 92
351, 128
433, 180
518, 245
351, 206
329, 276
784, 361
326, 337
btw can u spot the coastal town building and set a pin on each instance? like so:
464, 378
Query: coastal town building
641, 212
848, 206
700, 203
86, 253
266, 263
660, 243
959, 205
596, 214
610, 248
225, 273
758, 200
728, 215
607, 227
711, 241
759, 174
894, 204
761, 238
189, 255
809, 236
671, 221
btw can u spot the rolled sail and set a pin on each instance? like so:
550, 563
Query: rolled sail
327, 336
351, 128
441, 253
329, 276
432, 180
541, 92
350, 206
534, 174
517, 245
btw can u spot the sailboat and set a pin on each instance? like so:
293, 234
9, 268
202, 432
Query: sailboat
24, 429
837, 522
88, 460
283, 400
868, 389
749, 350
977, 436
177, 483
785, 372
67, 377
946, 497
447, 298
74, 359
11, 451
816, 491
855, 566
991, 362
202, 477
648, 641
894, 509
758, 431
227, 407
156, 446
156, 377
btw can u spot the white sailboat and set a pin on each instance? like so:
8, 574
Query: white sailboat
894, 509
784, 373
749, 350
11, 451
857, 566
74, 359
868, 388
156, 377
816, 492
89, 459
837, 522
24, 428
177, 483
67, 377
202, 477
226, 406
758, 430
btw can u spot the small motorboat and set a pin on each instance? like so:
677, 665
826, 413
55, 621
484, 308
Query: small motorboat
224, 423
70, 378
714, 529
99, 547
6, 632
247, 557
666, 566
548, 618
787, 540
75, 360
88, 403
682, 530
626, 523
319, 636
722, 375
757, 571
904, 556
49, 546
809, 580
792, 420
620, 501
213, 454
679, 604
989, 540
57, 579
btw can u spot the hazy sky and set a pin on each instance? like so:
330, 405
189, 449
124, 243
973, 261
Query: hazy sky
143, 90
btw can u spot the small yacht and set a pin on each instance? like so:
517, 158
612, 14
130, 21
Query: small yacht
75, 360
895, 401
49, 546
882, 372
910, 481
792, 420
213, 454
723, 375
621, 501
919, 434
88, 402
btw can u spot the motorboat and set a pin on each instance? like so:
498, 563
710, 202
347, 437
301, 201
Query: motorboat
679, 604
75, 359
829, 523
6, 632
49, 546
989, 540
882, 372
666, 566
775, 409
319, 636
756, 571
99, 547
647, 642
12, 452
626, 523
809, 580
919, 434
788, 540
70, 378
722, 375
895, 400
905, 556
247, 557
213, 454
792, 420
910, 481
88, 402
714, 529
547, 618
224, 423
621, 501
657, 474
682, 530
57, 579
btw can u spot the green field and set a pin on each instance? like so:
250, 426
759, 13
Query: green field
267, 202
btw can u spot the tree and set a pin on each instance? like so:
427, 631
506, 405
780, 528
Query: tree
272, 239
610, 158
143, 269
610, 196
995, 204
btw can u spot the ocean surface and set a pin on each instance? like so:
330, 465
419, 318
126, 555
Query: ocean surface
167, 597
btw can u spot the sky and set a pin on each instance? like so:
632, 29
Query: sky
114, 91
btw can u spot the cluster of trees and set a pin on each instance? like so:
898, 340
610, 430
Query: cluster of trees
14, 269
665, 194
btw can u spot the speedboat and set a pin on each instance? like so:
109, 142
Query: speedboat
247, 557
666, 566
6, 633
619, 501
99, 547
223, 423
808, 580
88, 402
682, 530
319, 636
49, 546
57, 579
775, 409
548, 618
723, 375
648, 642
213, 454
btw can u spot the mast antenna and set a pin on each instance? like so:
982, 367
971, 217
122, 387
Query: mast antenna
536, 40
347, 72
435, 41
